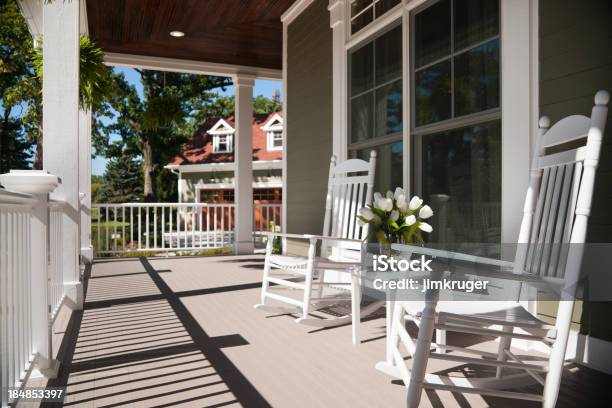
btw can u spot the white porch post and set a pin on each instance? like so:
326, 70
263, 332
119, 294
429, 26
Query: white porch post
61, 124
337, 23
85, 183
243, 158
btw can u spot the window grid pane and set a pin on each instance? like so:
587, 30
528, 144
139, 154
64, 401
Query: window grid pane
376, 88
472, 82
364, 12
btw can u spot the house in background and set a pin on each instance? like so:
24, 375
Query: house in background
206, 168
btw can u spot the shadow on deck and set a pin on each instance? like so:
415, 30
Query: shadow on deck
183, 332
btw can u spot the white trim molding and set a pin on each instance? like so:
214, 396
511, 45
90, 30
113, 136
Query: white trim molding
225, 166
295, 10
274, 123
188, 66
337, 22
516, 100
221, 128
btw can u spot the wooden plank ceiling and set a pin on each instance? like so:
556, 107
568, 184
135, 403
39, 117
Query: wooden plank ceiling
237, 32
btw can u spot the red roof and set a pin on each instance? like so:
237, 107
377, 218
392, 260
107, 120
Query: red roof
200, 148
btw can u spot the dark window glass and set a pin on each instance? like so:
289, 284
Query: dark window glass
389, 56
363, 12
432, 93
475, 21
477, 79
382, 6
388, 118
362, 20
461, 181
358, 5
432, 33
376, 88
361, 118
389, 165
362, 73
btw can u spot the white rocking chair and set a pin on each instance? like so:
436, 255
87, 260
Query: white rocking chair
350, 187
555, 214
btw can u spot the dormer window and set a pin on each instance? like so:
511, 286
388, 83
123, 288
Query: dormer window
223, 137
274, 130
223, 144
275, 140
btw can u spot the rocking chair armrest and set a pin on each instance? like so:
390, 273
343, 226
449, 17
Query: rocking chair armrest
440, 253
306, 236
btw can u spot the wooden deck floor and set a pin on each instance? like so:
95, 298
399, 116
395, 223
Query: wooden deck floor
183, 332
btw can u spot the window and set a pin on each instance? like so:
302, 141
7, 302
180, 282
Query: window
275, 140
456, 120
220, 196
267, 194
375, 105
223, 143
363, 12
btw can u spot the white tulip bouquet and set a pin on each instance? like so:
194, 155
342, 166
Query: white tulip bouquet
393, 218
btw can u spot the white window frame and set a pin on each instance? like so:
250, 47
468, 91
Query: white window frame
519, 91
225, 130
272, 138
274, 124
229, 142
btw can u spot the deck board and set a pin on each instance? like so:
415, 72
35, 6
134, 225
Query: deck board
183, 332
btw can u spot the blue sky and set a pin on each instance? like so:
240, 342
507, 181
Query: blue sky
262, 87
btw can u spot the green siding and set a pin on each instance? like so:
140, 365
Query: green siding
575, 62
309, 118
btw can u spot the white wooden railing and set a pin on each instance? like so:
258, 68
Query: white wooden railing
16, 348
171, 227
32, 283
56, 284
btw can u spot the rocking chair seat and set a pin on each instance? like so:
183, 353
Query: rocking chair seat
487, 313
301, 262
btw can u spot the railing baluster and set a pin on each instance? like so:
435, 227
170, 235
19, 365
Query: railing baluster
193, 227
131, 224
171, 233
115, 228
107, 229
200, 224
147, 209
163, 226
123, 228
139, 229
155, 227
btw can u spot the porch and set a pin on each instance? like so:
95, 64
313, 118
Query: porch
183, 332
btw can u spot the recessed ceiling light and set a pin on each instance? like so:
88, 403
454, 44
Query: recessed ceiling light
177, 33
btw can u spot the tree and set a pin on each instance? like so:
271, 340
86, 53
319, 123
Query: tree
155, 125
19, 87
15, 149
21, 76
122, 181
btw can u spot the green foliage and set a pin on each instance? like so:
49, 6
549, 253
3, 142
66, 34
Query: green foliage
19, 89
96, 185
154, 126
122, 182
15, 150
21, 75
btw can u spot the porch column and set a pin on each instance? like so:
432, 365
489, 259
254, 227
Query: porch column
61, 125
85, 184
243, 158
337, 23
